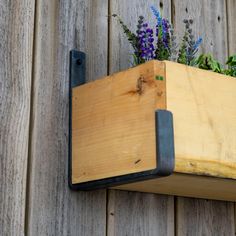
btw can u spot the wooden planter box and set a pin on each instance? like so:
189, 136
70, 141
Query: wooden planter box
114, 132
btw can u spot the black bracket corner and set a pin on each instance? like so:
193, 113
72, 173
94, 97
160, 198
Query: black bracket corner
165, 151
165, 154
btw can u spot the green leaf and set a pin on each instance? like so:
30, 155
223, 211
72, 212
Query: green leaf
207, 62
231, 61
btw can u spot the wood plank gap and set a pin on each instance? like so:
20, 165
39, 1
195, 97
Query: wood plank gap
31, 123
172, 12
175, 215
107, 210
235, 218
109, 21
227, 28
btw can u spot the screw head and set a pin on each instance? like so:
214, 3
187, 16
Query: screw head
78, 62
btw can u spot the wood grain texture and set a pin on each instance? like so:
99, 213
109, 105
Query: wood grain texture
203, 217
129, 11
210, 22
231, 16
204, 122
139, 222
188, 186
107, 138
61, 26
138, 214
16, 30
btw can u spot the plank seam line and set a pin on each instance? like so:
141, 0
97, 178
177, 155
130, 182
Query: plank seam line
227, 27
172, 12
107, 211
175, 215
109, 19
31, 123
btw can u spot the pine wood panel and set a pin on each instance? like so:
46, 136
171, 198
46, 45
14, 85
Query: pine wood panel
204, 122
107, 138
119, 59
61, 26
210, 21
187, 185
106, 111
16, 30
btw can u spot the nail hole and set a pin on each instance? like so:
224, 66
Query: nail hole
186, 9
218, 18
161, 4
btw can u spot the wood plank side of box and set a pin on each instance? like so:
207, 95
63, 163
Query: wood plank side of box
113, 119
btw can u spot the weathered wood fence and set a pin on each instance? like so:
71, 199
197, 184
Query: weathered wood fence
35, 39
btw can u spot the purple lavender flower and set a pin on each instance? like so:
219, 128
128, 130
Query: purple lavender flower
145, 39
165, 32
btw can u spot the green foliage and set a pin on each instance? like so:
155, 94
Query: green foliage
132, 38
232, 66
207, 62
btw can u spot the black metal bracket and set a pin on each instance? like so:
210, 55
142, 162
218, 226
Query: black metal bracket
76, 78
164, 138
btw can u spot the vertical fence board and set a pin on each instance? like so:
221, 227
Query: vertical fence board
195, 216
231, 15
61, 26
135, 213
203, 217
16, 30
141, 214
210, 22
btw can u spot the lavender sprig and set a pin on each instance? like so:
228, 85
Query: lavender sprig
165, 47
157, 15
165, 40
145, 39
189, 46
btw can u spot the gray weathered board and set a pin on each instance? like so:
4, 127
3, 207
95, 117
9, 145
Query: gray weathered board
36, 37
16, 43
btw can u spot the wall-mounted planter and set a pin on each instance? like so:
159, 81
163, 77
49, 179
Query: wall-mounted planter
119, 140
